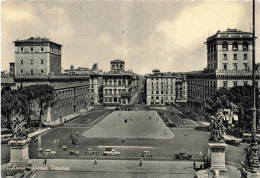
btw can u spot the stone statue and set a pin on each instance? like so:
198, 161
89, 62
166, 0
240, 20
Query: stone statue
217, 129
18, 129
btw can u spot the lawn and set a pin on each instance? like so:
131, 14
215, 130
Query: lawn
130, 124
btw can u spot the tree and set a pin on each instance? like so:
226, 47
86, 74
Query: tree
237, 98
44, 98
12, 103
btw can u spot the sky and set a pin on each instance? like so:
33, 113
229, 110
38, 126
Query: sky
166, 35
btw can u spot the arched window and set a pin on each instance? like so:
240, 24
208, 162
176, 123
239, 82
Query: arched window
245, 46
235, 46
224, 46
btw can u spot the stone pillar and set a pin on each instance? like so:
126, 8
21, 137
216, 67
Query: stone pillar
216, 159
19, 159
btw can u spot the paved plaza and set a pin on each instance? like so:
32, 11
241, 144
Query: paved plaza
130, 124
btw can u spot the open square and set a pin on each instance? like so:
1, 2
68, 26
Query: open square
130, 124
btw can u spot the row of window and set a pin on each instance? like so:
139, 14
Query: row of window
235, 57
115, 91
115, 99
166, 87
167, 92
162, 98
70, 84
31, 72
208, 83
245, 66
162, 83
70, 92
116, 83
160, 79
32, 49
32, 61
225, 83
234, 46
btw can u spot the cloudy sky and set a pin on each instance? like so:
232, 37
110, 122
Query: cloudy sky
168, 35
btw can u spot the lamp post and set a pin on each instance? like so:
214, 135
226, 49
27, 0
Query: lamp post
251, 167
254, 141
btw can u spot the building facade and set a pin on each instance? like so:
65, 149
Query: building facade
165, 88
118, 84
229, 64
38, 61
37, 56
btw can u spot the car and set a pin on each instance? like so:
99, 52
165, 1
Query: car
232, 142
183, 156
49, 152
111, 152
75, 141
72, 152
172, 113
171, 124
90, 151
88, 121
148, 154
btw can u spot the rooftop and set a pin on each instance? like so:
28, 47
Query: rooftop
117, 60
230, 33
36, 40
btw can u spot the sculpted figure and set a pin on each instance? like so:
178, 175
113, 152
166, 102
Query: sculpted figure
217, 129
18, 129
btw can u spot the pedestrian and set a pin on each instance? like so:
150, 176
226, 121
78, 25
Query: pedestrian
204, 165
77, 133
123, 140
200, 166
141, 162
45, 161
194, 164
95, 162
150, 117
186, 133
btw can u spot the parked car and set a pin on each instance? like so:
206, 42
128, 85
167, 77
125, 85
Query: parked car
49, 152
183, 156
171, 124
90, 151
172, 113
88, 121
111, 152
74, 153
148, 154
75, 141
233, 142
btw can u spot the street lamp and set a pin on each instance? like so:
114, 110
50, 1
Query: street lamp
251, 168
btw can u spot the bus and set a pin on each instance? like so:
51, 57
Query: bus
247, 137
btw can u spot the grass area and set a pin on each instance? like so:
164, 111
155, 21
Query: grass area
130, 124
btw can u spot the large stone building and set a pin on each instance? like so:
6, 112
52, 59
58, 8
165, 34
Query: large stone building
37, 56
229, 64
38, 61
95, 82
118, 84
165, 88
